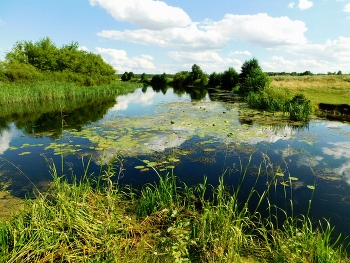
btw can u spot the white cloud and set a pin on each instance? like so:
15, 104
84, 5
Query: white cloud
121, 62
240, 53
333, 55
84, 48
347, 8
147, 14
182, 38
305, 4
260, 30
209, 61
291, 5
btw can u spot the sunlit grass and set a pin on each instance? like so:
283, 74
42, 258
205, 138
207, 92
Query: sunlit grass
50, 91
332, 89
95, 220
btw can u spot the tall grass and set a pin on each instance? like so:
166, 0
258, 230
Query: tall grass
35, 92
279, 100
98, 221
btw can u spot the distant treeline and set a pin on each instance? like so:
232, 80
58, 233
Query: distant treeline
43, 60
305, 73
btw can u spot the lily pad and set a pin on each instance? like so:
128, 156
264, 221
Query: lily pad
139, 167
293, 178
312, 187
279, 174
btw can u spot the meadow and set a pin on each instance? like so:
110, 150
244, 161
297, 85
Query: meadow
330, 89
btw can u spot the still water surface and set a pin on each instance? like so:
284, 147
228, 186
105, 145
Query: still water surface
193, 135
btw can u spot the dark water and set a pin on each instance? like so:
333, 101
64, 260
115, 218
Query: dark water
198, 133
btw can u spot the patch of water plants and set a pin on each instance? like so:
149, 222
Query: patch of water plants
95, 219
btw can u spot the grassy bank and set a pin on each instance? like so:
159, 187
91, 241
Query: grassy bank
163, 222
20, 100
332, 89
36, 92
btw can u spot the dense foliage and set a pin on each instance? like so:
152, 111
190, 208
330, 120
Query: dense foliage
159, 80
43, 60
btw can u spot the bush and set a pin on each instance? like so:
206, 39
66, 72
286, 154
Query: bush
229, 79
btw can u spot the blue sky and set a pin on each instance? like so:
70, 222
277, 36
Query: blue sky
170, 36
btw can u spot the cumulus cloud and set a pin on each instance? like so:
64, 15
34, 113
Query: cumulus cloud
346, 8
147, 14
305, 4
291, 5
319, 58
240, 53
190, 37
259, 30
121, 62
209, 61
83, 48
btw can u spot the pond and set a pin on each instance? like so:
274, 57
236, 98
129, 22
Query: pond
191, 134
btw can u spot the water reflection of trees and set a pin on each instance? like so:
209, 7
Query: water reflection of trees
195, 93
70, 117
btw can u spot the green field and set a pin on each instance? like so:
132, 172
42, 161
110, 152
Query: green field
331, 89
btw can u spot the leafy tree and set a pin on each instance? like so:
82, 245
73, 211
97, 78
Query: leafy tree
159, 80
74, 65
182, 78
214, 79
306, 73
127, 76
143, 78
252, 78
196, 73
229, 79
339, 72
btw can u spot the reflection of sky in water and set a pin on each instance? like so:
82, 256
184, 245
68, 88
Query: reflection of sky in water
6, 137
142, 103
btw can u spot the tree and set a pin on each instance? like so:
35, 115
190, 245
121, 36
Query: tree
215, 79
181, 78
196, 73
229, 79
159, 80
68, 62
125, 76
252, 78
143, 78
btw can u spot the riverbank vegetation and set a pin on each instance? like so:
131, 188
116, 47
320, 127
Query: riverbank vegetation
42, 60
97, 220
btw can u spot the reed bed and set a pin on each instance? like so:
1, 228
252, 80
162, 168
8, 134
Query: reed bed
35, 92
97, 220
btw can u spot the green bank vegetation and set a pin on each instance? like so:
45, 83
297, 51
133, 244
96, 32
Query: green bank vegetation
42, 60
97, 220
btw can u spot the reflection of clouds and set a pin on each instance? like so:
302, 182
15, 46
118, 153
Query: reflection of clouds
137, 97
159, 143
272, 135
344, 171
164, 141
5, 138
330, 124
341, 149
